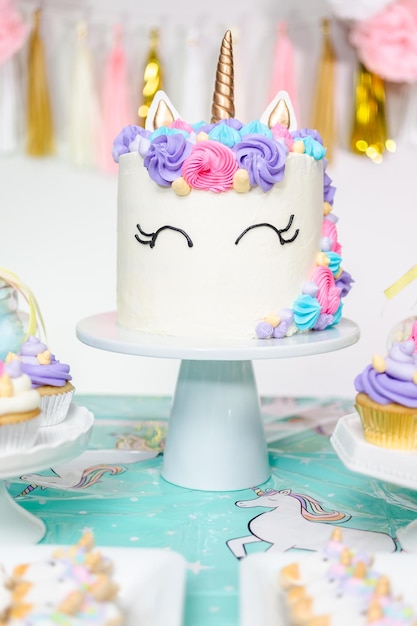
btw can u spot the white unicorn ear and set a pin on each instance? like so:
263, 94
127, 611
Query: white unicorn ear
161, 112
280, 111
285, 492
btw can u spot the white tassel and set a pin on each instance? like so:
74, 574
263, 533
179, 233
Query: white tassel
193, 108
9, 106
84, 120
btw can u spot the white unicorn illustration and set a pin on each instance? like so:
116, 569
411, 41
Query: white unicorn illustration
86, 469
299, 521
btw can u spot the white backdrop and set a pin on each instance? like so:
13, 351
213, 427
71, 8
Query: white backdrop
58, 233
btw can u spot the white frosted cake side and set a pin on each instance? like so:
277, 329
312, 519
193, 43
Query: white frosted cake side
212, 265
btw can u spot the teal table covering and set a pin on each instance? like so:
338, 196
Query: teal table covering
128, 503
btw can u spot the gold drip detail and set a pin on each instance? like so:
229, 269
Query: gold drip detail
152, 78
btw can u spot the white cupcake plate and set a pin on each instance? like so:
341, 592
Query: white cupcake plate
394, 466
53, 444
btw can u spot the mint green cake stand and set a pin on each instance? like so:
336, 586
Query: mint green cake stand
215, 439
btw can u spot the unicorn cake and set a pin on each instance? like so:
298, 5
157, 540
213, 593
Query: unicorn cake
226, 229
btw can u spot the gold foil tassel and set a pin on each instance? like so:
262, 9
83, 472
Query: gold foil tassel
223, 97
323, 112
369, 132
39, 132
152, 77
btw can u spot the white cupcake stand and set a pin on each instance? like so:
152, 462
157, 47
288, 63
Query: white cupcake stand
54, 444
398, 467
215, 439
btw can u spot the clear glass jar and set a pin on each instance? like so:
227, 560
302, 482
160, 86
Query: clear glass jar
12, 331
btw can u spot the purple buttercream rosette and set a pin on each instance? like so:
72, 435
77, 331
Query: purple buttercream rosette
263, 159
55, 374
328, 189
124, 140
307, 132
344, 283
165, 157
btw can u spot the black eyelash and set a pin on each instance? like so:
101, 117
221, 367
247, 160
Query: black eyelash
278, 231
153, 236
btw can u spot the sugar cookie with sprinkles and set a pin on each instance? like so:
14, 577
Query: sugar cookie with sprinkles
339, 587
74, 586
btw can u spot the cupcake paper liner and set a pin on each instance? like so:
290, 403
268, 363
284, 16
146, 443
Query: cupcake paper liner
55, 408
19, 435
388, 430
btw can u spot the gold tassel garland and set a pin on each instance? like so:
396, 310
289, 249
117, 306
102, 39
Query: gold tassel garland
369, 132
39, 132
323, 113
152, 78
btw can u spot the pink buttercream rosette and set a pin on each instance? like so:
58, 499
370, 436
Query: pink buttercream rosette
13, 30
210, 166
387, 41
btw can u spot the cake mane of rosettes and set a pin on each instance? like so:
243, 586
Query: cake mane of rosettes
217, 157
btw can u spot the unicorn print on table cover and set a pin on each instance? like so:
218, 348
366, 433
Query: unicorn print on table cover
72, 480
299, 521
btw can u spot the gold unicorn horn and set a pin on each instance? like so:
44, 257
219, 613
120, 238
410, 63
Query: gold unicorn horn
223, 97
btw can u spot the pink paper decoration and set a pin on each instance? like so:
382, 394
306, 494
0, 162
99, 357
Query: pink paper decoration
283, 72
116, 109
13, 30
387, 42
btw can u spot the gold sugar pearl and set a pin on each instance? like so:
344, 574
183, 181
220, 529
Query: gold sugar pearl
181, 187
202, 136
241, 182
322, 259
327, 208
274, 320
6, 386
44, 358
298, 146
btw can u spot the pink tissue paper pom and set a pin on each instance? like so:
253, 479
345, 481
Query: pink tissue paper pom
13, 30
387, 43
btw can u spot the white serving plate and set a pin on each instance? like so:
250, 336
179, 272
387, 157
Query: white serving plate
152, 581
394, 466
259, 600
53, 444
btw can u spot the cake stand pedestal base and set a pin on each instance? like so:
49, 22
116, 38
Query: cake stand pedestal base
16, 524
215, 438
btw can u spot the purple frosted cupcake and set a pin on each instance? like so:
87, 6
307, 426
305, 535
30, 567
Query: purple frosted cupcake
49, 377
386, 398
20, 413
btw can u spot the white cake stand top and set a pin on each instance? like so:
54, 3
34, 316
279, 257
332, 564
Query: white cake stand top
102, 331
